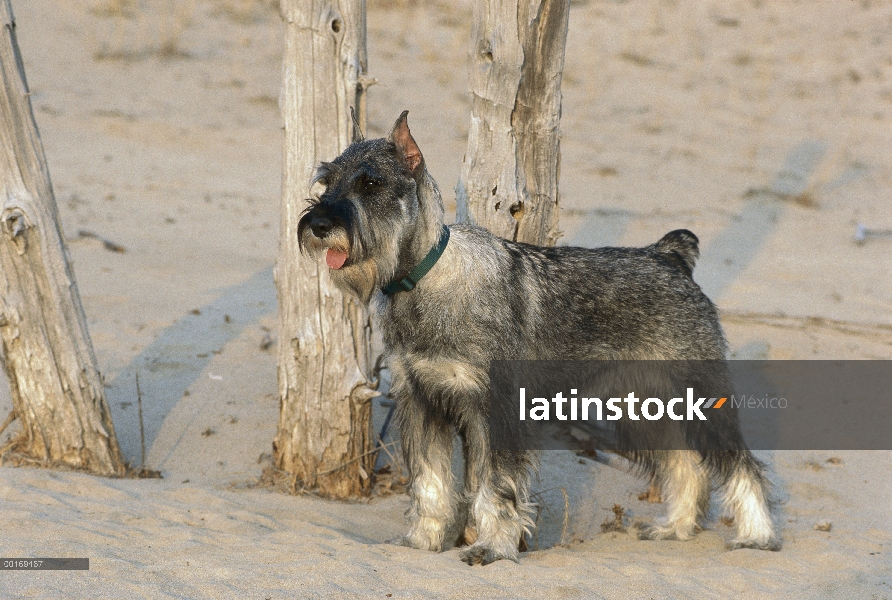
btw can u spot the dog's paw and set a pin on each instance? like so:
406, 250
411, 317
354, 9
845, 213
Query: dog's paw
660, 532
479, 555
402, 540
651, 532
772, 544
409, 541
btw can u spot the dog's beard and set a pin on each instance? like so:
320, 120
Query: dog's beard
353, 275
360, 280
363, 275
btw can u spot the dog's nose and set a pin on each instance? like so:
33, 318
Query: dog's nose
320, 226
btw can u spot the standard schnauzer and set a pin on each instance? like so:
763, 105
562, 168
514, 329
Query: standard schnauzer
449, 300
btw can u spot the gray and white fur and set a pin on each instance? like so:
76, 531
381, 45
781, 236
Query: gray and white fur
490, 299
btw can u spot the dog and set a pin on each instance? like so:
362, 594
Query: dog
450, 300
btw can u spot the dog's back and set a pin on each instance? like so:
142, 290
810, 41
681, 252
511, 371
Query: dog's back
518, 301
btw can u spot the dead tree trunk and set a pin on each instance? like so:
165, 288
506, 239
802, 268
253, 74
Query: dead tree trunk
509, 180
47, 355
324, 434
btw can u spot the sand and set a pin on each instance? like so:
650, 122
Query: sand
764, 127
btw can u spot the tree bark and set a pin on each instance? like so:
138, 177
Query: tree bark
509, 180
56, 389
324, 433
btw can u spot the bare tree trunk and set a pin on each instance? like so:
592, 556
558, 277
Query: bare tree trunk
47, 355
324, 433
509, 180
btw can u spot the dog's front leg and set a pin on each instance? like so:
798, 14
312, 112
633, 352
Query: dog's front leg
498, 485
427, 447
467, 526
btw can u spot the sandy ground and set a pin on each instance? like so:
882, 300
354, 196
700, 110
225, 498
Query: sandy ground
764, 127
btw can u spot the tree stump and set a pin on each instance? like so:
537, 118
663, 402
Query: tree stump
509, 179
56, 389
324, 433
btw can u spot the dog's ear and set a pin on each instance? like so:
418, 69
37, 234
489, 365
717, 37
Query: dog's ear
406, 148
357, 130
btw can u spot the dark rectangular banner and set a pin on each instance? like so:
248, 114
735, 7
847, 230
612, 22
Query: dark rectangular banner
640, 406
44, 564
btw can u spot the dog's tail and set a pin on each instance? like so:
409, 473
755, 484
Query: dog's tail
681, 247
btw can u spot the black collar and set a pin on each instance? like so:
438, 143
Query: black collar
408, 282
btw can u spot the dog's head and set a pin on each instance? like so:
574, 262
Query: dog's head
374, 209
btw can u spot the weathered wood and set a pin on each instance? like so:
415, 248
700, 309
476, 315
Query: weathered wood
324, 338
509, 180
47, 354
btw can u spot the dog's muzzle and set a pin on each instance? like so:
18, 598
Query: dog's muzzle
325, 231
320, 226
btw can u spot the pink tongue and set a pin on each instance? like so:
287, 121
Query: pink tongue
335, 259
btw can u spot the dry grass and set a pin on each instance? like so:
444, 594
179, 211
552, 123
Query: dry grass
13, 455
451, 13
265, 100
136, 31
246, 12
616, 524
389, 479
124, 9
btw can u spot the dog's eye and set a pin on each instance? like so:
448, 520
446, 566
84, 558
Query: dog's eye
318, 188
368, 184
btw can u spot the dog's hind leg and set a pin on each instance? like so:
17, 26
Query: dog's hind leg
497, 489
685, 482
427, 446
746, 498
